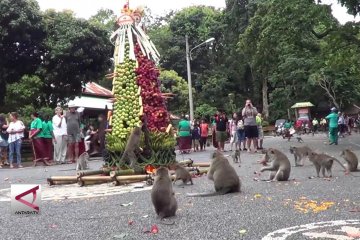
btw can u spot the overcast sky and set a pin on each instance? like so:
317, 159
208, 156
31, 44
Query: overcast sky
87, 8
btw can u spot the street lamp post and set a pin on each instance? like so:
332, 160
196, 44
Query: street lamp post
188, 59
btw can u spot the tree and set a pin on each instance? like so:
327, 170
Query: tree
105, 19
171, 82
353, 6
27, 91
77, 51
22, 33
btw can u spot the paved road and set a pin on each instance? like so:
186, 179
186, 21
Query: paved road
260, 209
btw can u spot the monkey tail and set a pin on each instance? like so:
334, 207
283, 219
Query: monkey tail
162, 221
209, 194
347, 171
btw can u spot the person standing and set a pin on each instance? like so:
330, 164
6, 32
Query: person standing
233, 130
204, 132
60, 134
38, 146
241, 133
249, 113
16, 133
341, 124
333, 118
3, 141
195, 135
259, 122
221, 129
73, 122
184, 135
47, 135
315, 125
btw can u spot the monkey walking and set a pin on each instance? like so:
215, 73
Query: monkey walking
324, 162
182, 174
299, 154
299, 139
280, 165
82, 162
224, 176
236, 156
351, 159
163, 196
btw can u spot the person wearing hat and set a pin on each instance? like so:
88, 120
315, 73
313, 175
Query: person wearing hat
60, 134
333, 118
73, 121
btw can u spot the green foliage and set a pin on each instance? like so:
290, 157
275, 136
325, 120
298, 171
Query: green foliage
353, 6
204, 111
171, 82
24, 92
21, 36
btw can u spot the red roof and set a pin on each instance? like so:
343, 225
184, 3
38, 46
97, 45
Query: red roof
94, 89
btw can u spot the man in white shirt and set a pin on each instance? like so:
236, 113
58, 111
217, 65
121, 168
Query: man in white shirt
60, 133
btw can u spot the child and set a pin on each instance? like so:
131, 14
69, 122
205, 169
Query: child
195, 135
204, 129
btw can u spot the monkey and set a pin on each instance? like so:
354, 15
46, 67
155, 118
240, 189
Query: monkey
182, 174
299, 154
280, 165
224, 176
163, 196
236, 156
132, 148
351, 159
300, 140
82, 162
323, 161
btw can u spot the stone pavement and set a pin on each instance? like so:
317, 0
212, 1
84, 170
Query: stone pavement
303, 208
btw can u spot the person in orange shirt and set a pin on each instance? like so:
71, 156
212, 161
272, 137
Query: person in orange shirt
204, 132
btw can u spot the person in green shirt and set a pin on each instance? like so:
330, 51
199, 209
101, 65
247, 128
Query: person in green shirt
184, 135
333, 118
48, 137
259, 122
38, 146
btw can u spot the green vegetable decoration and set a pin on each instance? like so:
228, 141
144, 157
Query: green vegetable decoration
137, 94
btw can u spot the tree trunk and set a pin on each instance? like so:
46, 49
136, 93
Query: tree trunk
265, 101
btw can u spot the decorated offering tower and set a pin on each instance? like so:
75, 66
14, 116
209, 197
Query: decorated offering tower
138, 101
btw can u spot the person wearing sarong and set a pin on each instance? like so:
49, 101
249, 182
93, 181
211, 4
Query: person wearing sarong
333, 118
38, 146
184, 135
48, 137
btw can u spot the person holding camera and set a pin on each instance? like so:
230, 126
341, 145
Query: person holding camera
221, 129
249, 113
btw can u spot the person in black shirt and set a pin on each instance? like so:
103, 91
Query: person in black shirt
221, 129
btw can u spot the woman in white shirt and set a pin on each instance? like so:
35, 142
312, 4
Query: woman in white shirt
16, 133
60, 134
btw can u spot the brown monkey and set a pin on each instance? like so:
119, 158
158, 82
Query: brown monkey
224, 176
299, 154
162, 194
182, 174
323, 161
299, 139
132, 148
280, 165
351, 159
236, 156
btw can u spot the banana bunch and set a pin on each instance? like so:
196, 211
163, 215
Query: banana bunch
115, 144
162, 140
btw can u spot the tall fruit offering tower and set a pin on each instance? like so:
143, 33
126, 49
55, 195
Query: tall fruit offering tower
137, 97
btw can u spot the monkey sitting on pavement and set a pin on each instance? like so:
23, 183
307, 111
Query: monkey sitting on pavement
280, 165
182, 174
224, 176
323, 161
236, 156
82, 162
163, 196
351, 159
299, 154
